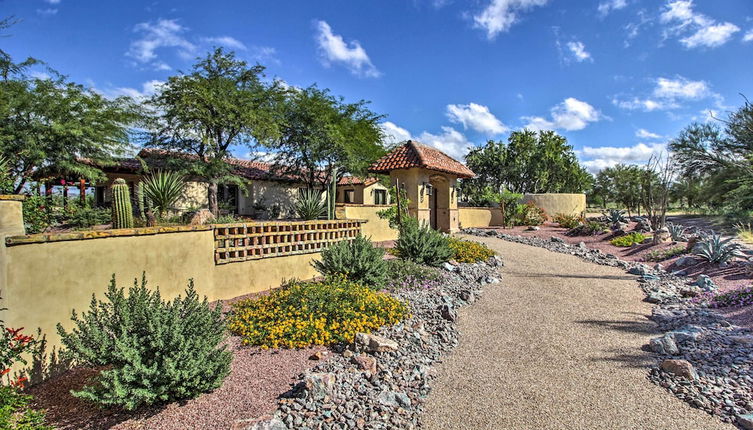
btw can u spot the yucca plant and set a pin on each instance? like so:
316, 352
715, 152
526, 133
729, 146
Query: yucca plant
677, 232
715, 250
614, 216
358, 260
163, 189
309, 204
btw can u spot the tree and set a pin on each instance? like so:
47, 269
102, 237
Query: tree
53, 125
321, 136
529, 162
223, 103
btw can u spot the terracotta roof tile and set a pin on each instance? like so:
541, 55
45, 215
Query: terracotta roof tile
356, 180
414, 154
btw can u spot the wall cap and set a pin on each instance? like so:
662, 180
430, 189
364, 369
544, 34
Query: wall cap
100, 234
356, 205
13, 197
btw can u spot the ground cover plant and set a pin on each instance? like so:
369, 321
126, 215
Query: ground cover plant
588, 228
405, 274
734, 298
715, 250
567, 221
357, 260
465, 251
313, 313
16, 412
422, 244
665, 254
629, 239
153, 351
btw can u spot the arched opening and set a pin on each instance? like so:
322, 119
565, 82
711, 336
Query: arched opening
439, 203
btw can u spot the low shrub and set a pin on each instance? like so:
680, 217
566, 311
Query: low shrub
422, 244
153, 351
85, 217
313, 313
16, 412
357, 260
628, 239
567, 221
744, 232
465, 251
665, 254
405, 274
589, 228
309, 205
226, 219
527, 214
37, 215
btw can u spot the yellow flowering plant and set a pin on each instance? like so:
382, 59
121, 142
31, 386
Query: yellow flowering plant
313, 313
465, 251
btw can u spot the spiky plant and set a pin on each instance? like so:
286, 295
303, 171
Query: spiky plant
614, 216
122, 211
163, 189
677, 232
309, 204
358, 260
715, 250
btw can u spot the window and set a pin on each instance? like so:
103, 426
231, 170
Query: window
348, 196
227, 198
380, 197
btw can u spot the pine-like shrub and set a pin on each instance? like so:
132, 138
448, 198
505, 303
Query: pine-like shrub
154, 351
313, 313
357, 260
422, 244
588, 228
465, 251
628, 239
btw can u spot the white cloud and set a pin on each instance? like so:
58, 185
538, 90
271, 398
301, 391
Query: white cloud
393, 133
477, 117
698, 29
748, 36
499, 15
334, 49
226, 41
642, 133
607, 156
572, 114
611, 5
164, 33
667, 94
578, 51
451, 142
148, 89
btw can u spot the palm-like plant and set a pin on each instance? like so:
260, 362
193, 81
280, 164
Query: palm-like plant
309, 205
163, 189
716, 250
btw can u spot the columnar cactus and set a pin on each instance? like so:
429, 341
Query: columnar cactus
122, 212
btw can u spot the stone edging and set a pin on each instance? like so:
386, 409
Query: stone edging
100, 234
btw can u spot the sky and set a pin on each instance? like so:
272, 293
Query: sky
618, 78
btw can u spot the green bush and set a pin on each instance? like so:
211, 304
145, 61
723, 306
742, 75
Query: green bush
665, 254
357, 260
85, 217
16, 414
715, 250
567, 221
628, 239
465, 251
589, 228
154, 351
422, 244
404, 274
37, 216
309, 205
524, 214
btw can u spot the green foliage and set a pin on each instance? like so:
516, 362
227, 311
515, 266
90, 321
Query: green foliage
422, 244
715, 250
309, 204
615, 216
358, 260
390, 213
677, 232
484, 196
37, 215
6, 181
465, 251
154, 351
744, 232
403, 274
589, 228
629, 239
163, 189
85, 216
665, 254
122, 211
226, 219
16, 412
620, 184
567, 220
524, 214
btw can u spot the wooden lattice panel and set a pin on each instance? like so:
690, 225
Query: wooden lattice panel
256, 240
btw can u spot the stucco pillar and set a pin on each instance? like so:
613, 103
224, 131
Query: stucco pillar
11, 224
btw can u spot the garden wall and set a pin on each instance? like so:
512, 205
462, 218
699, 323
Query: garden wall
479, 217
377, 228
569, 204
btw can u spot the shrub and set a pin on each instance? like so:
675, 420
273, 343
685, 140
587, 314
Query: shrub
614, 216
676, 232
715, 250
37, 216
405, 274
524, 214
16, 414
744, 232
163, 189
589, 228
85, 217
665, 254
465, 251
313, 313
357, 260
628, 239
309, 205
567, 221
226, 219
421, 244
15, 344
154, 350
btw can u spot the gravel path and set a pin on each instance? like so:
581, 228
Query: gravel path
556, 345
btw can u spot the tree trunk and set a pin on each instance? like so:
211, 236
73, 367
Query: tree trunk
214, 207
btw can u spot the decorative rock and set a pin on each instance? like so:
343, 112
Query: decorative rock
448, 313
347, 353
705, 283
662, 235
449, 267
318, 355
365, 362
266, 422
639, 269
374, 343
681, 368
664, 345
495, 261
467, 296
317, 386
745, 421
556, 239
742, 340
201, 217
684, 261
393, 399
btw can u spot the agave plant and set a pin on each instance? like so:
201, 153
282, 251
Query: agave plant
716, 250
163, 189
677, 232
614, 216
309, 204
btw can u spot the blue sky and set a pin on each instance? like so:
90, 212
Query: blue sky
616, 77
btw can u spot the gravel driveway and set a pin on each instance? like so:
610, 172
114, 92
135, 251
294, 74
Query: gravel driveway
556, 345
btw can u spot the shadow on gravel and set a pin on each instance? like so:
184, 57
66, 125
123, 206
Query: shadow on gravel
637, 359
524, 274
646, 327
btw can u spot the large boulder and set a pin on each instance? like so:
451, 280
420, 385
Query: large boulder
664, 345
681, 368
374, 343
318, 386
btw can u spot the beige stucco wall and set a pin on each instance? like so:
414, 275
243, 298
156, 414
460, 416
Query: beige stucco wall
479, 217
569, 204
267, 194
414, 181
376, 228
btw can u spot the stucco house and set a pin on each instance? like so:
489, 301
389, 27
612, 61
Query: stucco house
359, 191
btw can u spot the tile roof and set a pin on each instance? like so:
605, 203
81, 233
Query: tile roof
356, 180
414, 154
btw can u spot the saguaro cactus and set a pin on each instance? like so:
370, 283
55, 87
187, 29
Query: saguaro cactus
122, 212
